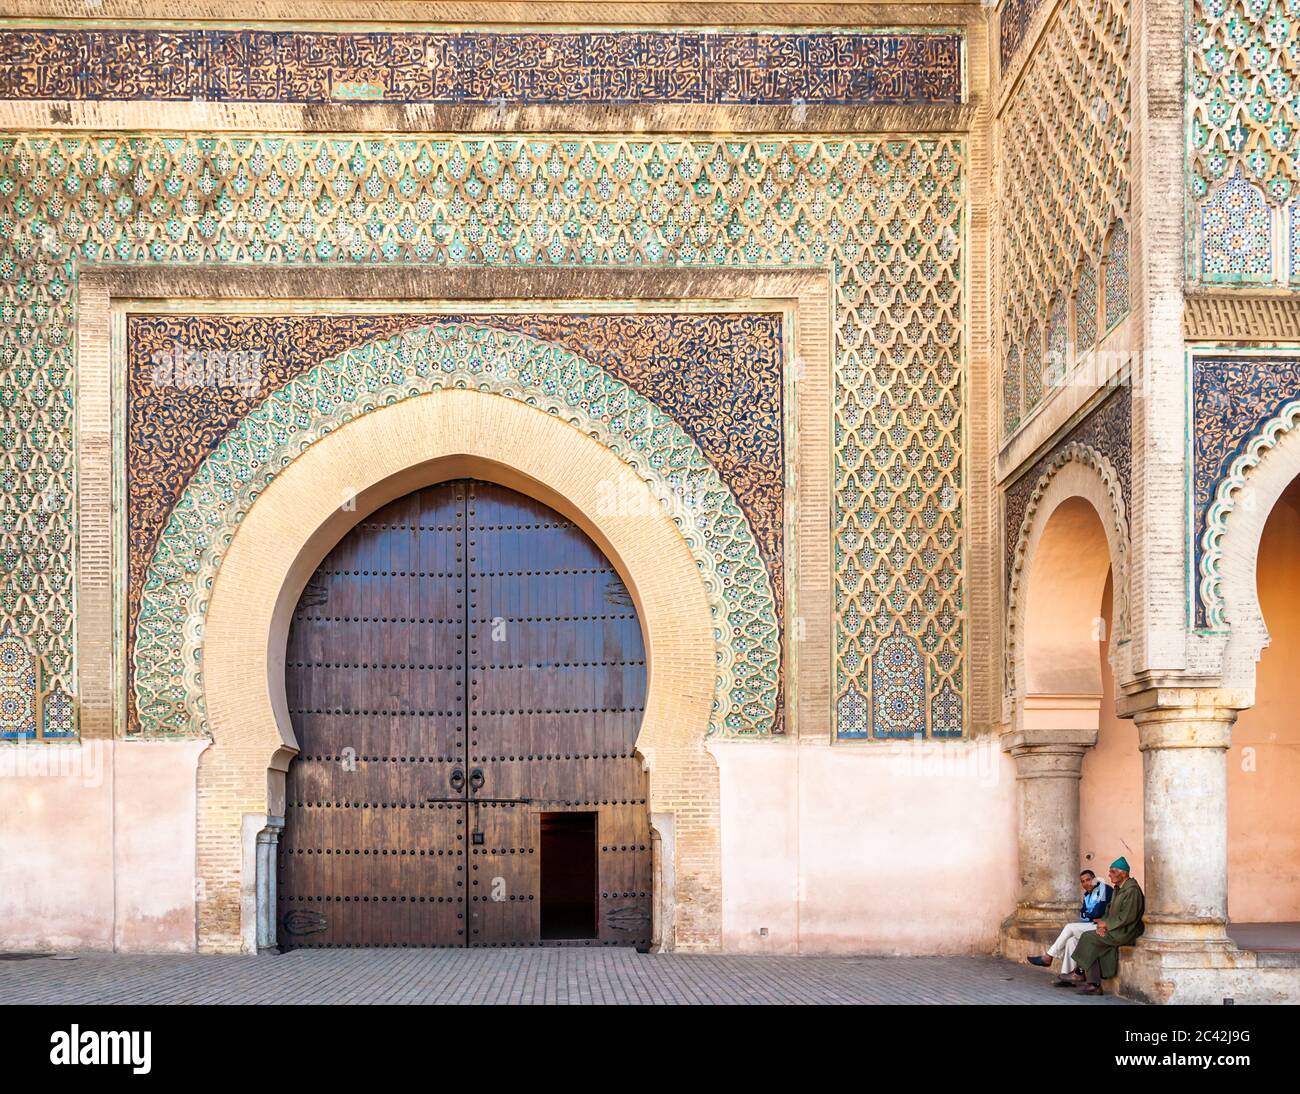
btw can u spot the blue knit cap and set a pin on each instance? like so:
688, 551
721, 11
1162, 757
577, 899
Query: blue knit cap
1120, 863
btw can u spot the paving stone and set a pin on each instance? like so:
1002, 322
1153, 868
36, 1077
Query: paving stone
562, 976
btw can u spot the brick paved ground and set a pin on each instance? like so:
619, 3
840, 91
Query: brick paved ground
525, 976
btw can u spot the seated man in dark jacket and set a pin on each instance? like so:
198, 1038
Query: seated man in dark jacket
1096, 899
1098, 951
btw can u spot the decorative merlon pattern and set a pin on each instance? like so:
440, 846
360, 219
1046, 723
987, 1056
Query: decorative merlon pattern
884, 216
1061, 241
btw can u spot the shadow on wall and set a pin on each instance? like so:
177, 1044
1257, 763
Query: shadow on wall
1264, 761
1110, 797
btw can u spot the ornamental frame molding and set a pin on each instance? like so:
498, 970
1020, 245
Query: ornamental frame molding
1249, 477
108, 294
1259, 476
427, 361
1095, 479
239, 777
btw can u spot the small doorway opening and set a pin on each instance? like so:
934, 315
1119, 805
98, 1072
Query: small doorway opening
568, 882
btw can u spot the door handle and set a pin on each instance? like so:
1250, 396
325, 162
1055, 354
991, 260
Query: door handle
477, 779
457, 780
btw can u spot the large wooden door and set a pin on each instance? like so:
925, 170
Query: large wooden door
556, 692
466, 677
375, 681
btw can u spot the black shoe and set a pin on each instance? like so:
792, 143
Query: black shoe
1036, 960
1067, 982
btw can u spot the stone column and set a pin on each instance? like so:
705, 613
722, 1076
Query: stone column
1184, 734
1048, 750
1185, 956
268, 840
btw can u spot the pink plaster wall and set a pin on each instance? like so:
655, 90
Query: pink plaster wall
56, 846
77, 816
906, 848
156, 825
1264, 803
1110, 795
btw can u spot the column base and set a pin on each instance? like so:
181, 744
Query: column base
1207, 973
1030, 929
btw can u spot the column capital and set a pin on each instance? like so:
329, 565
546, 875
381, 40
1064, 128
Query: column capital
1183, 717
1048, 753
1020, 742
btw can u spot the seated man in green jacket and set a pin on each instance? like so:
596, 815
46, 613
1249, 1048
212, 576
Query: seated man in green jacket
1098, 951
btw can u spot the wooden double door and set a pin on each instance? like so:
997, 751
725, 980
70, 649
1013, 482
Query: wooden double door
466, 677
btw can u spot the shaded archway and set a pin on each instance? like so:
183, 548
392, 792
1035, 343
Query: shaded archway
1264, 758
1063, 604
372, 460
1077, 476
1072, 538
1110, 791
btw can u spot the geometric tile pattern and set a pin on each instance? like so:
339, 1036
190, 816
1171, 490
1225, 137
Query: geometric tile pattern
1115, 291
1011, 390
424, 360
18, 687
1058, 348
1033, 366
59, 714
29, 707
630, 66
884, 215
1085, 309
1242, 83
718, 375
898, 687
1236, 233
1064, 141
1243, 79
945, 710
